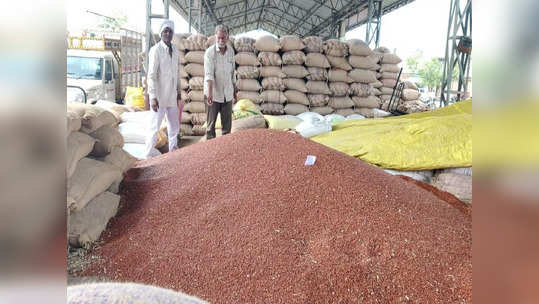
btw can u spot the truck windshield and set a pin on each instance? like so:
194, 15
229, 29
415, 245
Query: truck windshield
84, 67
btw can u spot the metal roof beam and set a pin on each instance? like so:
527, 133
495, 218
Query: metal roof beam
210, 9
352, 8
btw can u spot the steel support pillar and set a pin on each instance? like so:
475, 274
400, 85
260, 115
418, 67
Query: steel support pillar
149, 17
374, 22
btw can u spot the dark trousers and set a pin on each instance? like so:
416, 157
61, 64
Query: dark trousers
211, 116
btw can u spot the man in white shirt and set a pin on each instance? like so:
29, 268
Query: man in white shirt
163, 88
219, 82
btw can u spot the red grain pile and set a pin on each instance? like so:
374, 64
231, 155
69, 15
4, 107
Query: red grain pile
240, 219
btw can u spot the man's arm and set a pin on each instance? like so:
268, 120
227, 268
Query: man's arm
153, 68
208, 75
234, 79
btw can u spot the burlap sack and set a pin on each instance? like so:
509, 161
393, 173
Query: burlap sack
272, 109
252, 122
357, 47
393, 68
410, 85
248, 85
195, 57
196, 96
318, 74
186, 129
375, 68
317, 87
295, 71
183, 95
195, 69
363, 76
313, 44
107, 138
344, 112
391, 59
198, 119
385, 98
244, 44
341, 75
409, 94
361, 89
377, 84
294, 96
186, 117
195, 107
271, 71
183, 84
382, 49
366, 102
92, 117
293, 57
334, 47
120, 158
178, 41
295, 109
267, 44
114, 108
252, 96
340, 102
269, 59
339, 63
211, 41
196, 42
196, 83
79, 145
376, 92
361, 62
199, 130
371, 112
318, 100
181, 57
412, 106
248, 72
389, 75
273, 96
73, 122
316, 60
249, 59
322, 110
291, 43
339, 88
376, 57
389, 83
273, 83
295, 84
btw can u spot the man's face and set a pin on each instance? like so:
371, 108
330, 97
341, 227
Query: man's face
166, 35
222, 38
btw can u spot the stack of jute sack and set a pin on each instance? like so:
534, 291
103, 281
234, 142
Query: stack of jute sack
337, 52
295, 88
95, 166
410, 102
387, 74
271, 97
247, 70
317, 66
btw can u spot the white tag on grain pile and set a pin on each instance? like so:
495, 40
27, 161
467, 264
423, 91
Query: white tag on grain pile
310, 160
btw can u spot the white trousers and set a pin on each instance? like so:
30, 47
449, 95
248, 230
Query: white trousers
173, 128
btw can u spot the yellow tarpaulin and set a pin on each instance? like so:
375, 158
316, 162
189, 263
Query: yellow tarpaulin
420, 141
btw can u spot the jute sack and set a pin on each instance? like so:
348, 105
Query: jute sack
267, 43
389, 83
339, 88
344, 112
269, 59
366, 102
252, 96
377, 84
318, 100
86, 225
317, 87
393, 68
361, 89
371, 112
246, 59
195, 57
91, 178
389, 75
198, 119
361, 62
363, 76
195, 69
319, 74
272, 109
313, 44
183, 95
186, 118
196, 42
244, 44
410, 85
391, 59
183, 84
317, 60
376, 92
211, 41
79, 145
273, 96
295, 84
186, 129
385, 98
181, 57
459, 185
334, 47
409, 94
107, 138
248, 72
377, 57
335, 75
116, 109
73, 122
271, 71
291, 43
248, 85
293, 57
196, 83
294, 71
120, 158
322, 110
296, 97
178, 40
340, 102
196, 96
199, 130
295, 109
339, 63
357, 47
195, 107
382, 49
273, 83
251, 122
92, 117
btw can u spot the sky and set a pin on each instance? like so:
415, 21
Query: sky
418, 26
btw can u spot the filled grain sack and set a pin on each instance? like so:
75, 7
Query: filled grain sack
390, 59
459, 185
313, 126
86, 225
296, 97
252, 96
336, 48
211, 41
107, 138
318, 74
410, 85
186, 129
267, 43
363, 76
196, 42
322, 110
116, 109
139, 150
385, 98
318, 100
294, 71
273, 96
410, 94
293, 57
244, 44
183, 84
295, 108
336, 75
313, 44
181, 57
344, 112
339, 63
245, 58
361, 89
273, 83
334, 119
269, 59
73, 122
371, 112
366, 102
357, 47
339, 88
92, 117
317, 87
196, 83
198, 118
199, 130
295, 84
393, 68
195, 57
195, 69
389, 83
282, 122
340, 102
248, 85
79, 145
389, 75
272, 109
459, 170
376, 84
91, 177
251, 122
184, 96
196, 96
375, 91
361, 62
382, 49
179, 39
119, 158
271, 71
195, 107
186, 117
317, 60
248, 72
291, 43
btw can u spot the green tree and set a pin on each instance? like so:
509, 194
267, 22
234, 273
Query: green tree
413, 62
430, 73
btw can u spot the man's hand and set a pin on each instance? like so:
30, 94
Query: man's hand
154, 104
235, 96
210, 99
